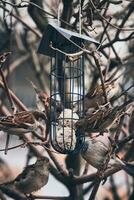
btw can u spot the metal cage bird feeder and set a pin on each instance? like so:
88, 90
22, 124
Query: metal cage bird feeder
66, 86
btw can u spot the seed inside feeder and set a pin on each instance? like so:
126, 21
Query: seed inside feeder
66, 138
68, 118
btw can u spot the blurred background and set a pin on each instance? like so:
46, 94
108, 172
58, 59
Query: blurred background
22, 24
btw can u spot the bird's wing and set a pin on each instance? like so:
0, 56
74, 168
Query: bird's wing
7, 121
26, 171
8, 124
91, 93
22, 119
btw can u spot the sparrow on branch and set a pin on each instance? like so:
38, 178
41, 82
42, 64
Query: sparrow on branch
43, 102
95, 97
96, 152
33, 177
102, 119
22, 122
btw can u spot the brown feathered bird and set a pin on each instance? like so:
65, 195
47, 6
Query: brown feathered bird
43, 102
96, 151
102, 119
21, 122
33, 177
95, 97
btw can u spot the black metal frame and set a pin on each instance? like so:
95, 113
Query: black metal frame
59, 43
74, 76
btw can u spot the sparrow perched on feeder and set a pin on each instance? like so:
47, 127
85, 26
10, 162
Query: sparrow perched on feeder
33, 177
42, 99
96, 150
43, 102
21, 122
95, 97
102, 119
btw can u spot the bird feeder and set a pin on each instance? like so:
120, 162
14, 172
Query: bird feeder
64, 48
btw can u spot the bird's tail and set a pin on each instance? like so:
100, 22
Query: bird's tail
11, 192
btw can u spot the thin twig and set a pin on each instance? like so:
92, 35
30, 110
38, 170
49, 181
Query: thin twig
94, 191
101, 77
4, 109
114, 26
118, 131
36, 67
88, 188
14, 147
21, 5
104, 30
121, 143
57, 164
123, 93
15, 98
16, 63
115, 2
112, 47
22, 22
48, 197
7, 90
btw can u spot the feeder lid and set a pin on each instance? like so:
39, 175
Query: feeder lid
61, 38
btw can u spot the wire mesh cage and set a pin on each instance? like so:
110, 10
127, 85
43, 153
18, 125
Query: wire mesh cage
66, 86
67, 93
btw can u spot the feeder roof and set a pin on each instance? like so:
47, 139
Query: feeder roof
61, 38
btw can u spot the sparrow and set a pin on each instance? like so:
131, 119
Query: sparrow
95, 97
32, 178
96, 150
42, 98
102, 119
22, 122
96, 94
44, 102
